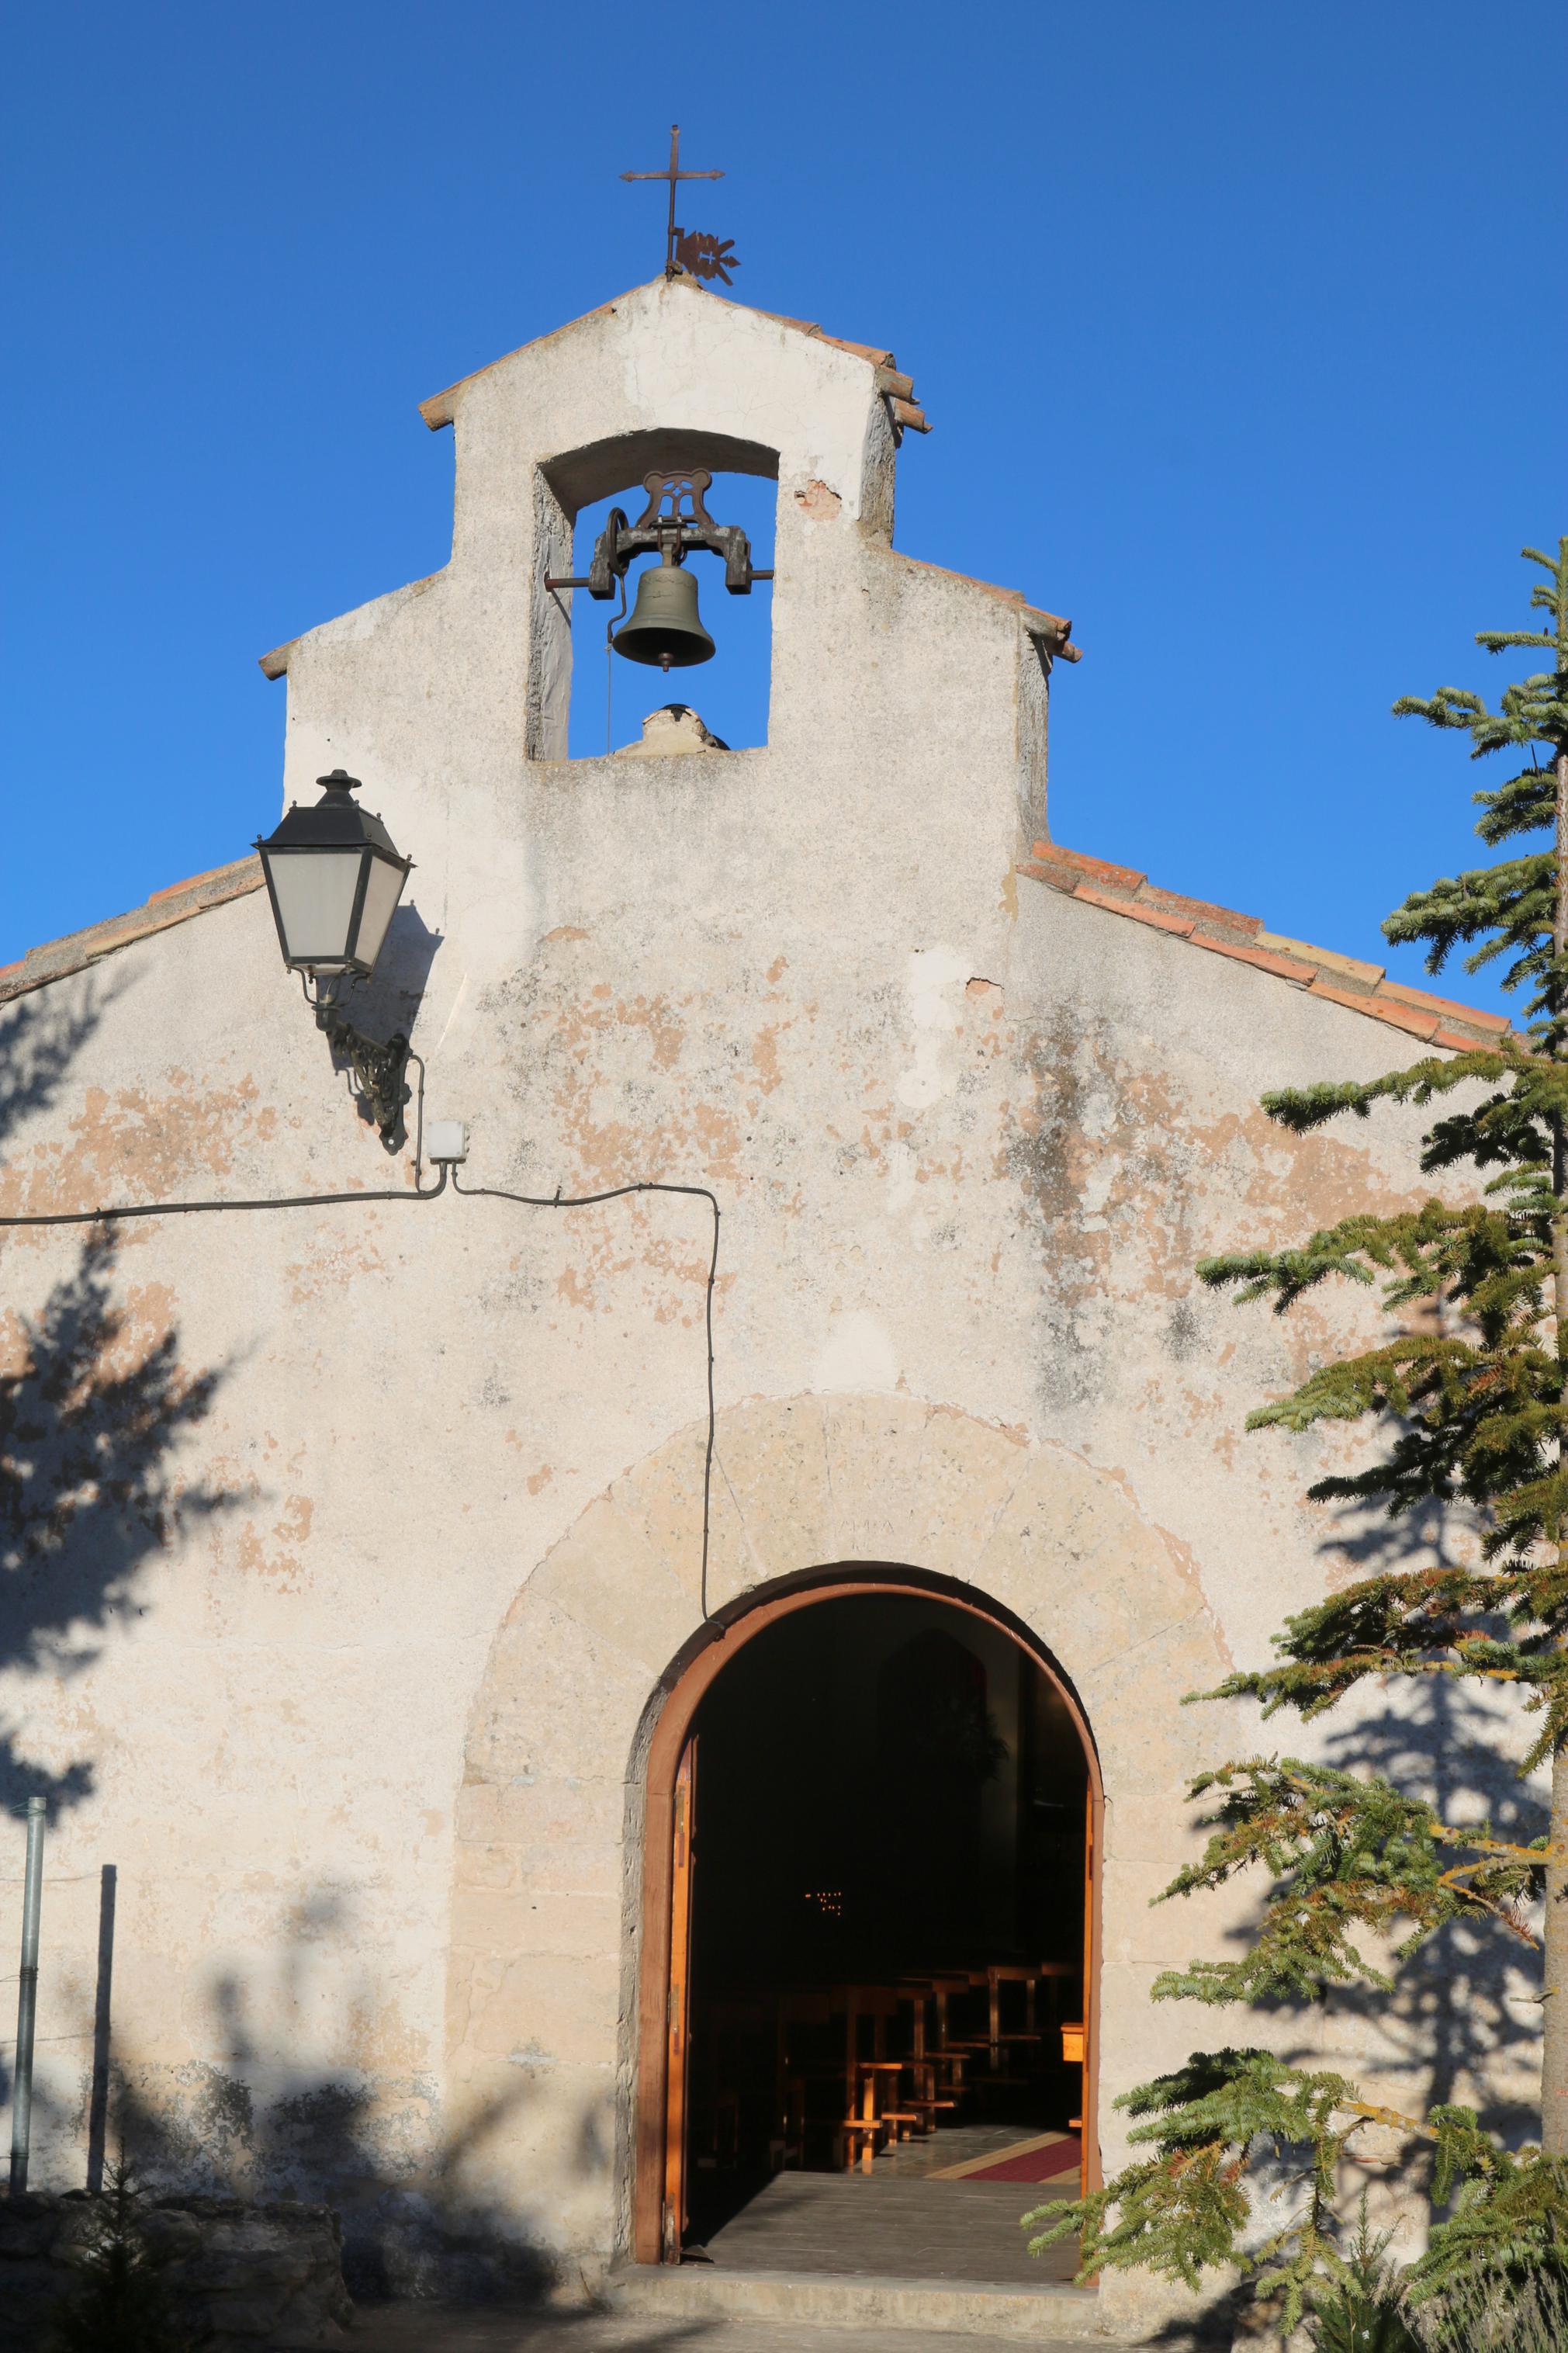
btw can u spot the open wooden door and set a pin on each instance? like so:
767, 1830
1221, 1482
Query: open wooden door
1086, 2104
679, 2053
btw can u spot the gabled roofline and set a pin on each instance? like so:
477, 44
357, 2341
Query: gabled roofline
1322, 972
57, 959
1119, 890
1052, 629
899, 389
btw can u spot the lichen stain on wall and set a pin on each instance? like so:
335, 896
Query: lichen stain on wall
643, 1081
697, 1137
765, 1056
133, 1145
1125, 1187
266, 1534
284, 1565
334, 1267
666, 1246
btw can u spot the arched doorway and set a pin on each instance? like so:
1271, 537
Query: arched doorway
873, 1829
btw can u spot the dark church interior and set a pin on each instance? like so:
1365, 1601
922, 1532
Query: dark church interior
888, 1900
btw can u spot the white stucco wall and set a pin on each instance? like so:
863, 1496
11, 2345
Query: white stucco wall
969, 1137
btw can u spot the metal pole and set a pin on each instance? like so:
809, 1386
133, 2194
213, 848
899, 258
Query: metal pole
27, 2000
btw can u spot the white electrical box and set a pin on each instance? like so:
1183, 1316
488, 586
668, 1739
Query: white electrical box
446, 1140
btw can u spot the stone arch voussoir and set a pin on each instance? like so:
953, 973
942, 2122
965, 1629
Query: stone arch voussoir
546, 1896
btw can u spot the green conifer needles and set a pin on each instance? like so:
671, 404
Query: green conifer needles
1343, 1854
120, 2302
1467, 1393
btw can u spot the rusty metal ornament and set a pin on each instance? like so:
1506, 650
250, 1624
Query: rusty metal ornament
691, 252
702, 255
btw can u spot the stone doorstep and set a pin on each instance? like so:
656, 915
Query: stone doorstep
1053, 2310
446, 2328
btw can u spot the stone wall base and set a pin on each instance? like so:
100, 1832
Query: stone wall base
242, 2278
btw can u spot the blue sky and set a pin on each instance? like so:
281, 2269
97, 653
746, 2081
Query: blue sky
1234, 322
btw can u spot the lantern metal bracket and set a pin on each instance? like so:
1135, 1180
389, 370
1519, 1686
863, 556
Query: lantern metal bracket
676, 521
380, 1071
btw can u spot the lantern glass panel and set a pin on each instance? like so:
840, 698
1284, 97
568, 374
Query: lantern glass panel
383, 888
315, 893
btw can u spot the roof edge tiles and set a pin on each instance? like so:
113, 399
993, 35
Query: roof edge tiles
1053, 629
57, 959
1345, 980
1120, 889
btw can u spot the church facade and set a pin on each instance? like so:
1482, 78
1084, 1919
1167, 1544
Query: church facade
370, 1655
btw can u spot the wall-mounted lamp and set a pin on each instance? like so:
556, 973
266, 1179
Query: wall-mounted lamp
334, 878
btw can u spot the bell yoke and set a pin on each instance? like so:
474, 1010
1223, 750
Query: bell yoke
664, 627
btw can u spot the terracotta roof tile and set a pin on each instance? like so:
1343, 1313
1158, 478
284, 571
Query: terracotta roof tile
1200, 912
1425, 996
1344, 980
1459, 1044
1049, 870
871, 351
1284, 967
1349, 967
175, 904
1136, 910
1404, 1016
1100, 869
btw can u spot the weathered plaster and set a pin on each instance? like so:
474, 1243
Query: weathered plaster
361, 1726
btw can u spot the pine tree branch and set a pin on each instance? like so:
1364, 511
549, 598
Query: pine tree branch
1421, 1622
1233, 2117
1343, 1853
1471, 1406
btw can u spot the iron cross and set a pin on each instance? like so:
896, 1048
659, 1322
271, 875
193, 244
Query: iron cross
692, 249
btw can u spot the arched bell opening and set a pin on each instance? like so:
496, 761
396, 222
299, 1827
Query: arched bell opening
653, 605
873, 1826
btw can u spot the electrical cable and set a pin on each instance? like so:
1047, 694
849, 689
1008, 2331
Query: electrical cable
276, 1202
557, 1201
618, 1193
196, 1209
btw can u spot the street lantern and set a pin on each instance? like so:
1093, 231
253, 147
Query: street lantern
334, 879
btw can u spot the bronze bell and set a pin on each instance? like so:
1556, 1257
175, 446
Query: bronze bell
663, 626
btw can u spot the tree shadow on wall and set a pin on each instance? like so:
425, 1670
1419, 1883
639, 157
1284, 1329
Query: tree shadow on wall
39, 1039
1467, 2006
91, 1406
258, 2121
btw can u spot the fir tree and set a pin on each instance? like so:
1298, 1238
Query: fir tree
120, 2303
1469, 1397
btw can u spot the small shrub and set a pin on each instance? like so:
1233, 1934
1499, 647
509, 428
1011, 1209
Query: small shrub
1361, 2313
1486, 2312
120, 2303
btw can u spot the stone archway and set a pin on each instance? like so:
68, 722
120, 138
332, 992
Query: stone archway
546, 1927
732, 1628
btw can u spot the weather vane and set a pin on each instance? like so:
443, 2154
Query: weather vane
696, 250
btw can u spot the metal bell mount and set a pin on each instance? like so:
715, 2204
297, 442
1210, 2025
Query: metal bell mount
664, 627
